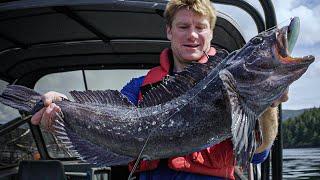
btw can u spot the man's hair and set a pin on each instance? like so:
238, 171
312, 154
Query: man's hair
201, 7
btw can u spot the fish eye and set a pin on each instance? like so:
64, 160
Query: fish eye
257, 40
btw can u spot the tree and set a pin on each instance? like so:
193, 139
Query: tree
302, 131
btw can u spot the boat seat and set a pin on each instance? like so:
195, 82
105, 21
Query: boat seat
41, 170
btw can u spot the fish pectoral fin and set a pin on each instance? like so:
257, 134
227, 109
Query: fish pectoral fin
112, 97
243, 121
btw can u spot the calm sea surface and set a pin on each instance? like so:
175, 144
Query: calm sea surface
302, 163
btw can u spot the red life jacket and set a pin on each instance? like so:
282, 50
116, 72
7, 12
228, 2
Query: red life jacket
217, 160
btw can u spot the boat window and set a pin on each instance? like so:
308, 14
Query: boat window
61, 82
67, 81
17, 145
6, 113
243, 19
111, 79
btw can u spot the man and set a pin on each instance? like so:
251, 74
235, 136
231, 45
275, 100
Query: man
190, 25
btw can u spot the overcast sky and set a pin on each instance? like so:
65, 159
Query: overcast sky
303, 93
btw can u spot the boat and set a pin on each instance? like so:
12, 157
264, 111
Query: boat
70, 45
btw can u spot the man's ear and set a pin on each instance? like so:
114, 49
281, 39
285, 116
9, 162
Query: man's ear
169, 34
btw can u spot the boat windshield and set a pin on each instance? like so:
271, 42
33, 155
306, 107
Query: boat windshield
6, 113
16, 145
75, 80
243, 19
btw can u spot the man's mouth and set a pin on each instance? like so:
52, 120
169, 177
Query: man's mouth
191, 45
286, 39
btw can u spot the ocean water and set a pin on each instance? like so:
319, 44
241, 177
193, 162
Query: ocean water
301, 163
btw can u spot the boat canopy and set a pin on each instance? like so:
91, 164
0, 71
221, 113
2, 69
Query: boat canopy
40, 37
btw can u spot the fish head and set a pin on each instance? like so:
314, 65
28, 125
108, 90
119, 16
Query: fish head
264, 68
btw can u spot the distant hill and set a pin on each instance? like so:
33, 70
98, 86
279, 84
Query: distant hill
286, 114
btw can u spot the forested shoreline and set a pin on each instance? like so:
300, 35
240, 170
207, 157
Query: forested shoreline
302, 131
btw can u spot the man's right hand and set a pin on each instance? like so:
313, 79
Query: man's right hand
47, 114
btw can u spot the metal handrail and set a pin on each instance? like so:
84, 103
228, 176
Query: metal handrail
254, 13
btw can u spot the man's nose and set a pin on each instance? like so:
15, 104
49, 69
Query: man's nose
193, 34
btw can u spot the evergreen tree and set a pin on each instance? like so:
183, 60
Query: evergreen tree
303, 130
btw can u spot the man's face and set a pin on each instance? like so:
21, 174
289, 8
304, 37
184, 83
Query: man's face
190, 35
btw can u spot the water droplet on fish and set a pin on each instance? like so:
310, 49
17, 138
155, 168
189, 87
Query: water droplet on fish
147, 127
181, 134
109, 130
103, 125
117, 133
204, 87
140, 139
89, 127
171, 123
155, 112
139, 129
184, 101
154, 123
97, 127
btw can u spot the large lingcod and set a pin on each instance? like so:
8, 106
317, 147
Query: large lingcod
192, 110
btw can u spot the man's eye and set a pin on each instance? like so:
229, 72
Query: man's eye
201, 27
183, 27
257, 40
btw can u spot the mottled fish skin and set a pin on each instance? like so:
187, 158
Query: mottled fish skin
195, 109
125, 129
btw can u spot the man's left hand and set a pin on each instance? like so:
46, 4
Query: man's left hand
282, 99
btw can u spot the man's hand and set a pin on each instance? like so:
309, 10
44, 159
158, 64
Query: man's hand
269, 123
47, 114
282, 99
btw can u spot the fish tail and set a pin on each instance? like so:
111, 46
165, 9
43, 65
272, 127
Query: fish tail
20, 97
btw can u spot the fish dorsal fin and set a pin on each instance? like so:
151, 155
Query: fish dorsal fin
244, 121
112, 97
173, 86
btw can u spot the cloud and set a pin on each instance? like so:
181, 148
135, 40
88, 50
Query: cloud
309, 18
303, 93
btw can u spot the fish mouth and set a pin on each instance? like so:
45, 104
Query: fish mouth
286, 38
